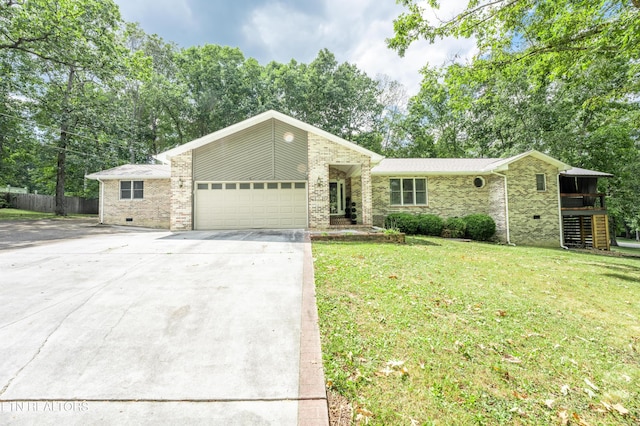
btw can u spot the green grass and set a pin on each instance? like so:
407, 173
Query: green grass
487, 334
13, 214
17, 214
627, 250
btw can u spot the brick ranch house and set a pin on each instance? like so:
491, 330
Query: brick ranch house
273, 171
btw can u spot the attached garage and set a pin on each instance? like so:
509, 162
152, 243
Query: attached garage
245, 205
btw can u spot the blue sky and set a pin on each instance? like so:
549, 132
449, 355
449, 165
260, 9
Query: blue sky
281, 30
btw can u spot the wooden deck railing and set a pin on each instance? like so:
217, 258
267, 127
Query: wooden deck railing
583, 201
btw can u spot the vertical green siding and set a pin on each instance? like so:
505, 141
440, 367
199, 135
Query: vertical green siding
257, 153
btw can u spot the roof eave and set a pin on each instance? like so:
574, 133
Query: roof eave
94, 176
430, 173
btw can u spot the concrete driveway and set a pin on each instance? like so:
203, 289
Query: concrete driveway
161, 328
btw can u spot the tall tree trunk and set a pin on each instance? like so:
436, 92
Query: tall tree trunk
612, 231
61, 174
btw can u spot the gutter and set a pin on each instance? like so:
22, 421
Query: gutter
506, 205
560, 216
101, 201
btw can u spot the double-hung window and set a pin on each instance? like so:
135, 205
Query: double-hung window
131, 190
408, 191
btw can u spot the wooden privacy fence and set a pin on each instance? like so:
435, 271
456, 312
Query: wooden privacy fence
47, 203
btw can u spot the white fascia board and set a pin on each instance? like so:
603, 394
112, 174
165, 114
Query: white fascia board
405, 173
128, 177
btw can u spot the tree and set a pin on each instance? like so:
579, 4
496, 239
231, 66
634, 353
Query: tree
559, 37
71, 43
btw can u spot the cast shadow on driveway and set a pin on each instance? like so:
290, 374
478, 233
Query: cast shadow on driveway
266, 235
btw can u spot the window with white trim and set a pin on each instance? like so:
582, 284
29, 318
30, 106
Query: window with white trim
408, 191
541, 182
131, 190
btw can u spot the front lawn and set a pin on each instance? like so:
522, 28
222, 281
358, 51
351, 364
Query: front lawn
14, 214
445, 332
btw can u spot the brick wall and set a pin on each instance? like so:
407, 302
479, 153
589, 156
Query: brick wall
498, 205
447, 196
151, 211
322, 154
525, 202
182, 192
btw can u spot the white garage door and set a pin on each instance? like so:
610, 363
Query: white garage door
243, 205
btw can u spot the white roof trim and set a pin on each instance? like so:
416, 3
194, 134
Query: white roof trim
271, 114
98, 176
503, 165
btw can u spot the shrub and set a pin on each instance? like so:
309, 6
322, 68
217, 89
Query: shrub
454, 227
430, 224
4, 201
480, 227
403, 222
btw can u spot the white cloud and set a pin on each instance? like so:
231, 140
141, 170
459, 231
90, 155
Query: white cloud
281, 30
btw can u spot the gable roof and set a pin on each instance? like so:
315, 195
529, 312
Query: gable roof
578, 172
271, 114
456, 166
134, 171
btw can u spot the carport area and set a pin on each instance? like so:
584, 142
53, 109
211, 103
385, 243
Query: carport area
163, 328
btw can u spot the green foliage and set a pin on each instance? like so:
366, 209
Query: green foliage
430, 224
4, 201
479, 227
404, 222
411, 224
454, 227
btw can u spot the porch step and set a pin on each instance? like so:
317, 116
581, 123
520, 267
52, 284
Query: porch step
339, 221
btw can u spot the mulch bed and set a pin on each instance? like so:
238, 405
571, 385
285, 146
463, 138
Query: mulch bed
340, 411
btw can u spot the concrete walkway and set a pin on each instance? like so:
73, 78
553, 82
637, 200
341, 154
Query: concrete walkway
161, 328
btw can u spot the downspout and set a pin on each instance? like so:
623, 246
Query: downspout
560, 216
101, 202
506, 206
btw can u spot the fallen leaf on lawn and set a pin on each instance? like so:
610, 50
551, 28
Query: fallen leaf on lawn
356, 376
597, 409
606, 405
589, 392
384, 372
591, 385
501, 313
393, 277
329, 383
512, 359
364, 412
581, 422
404, 371
520, 395
395, 364
620, 409
549, 403
516, 409
565, 389
564, 417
